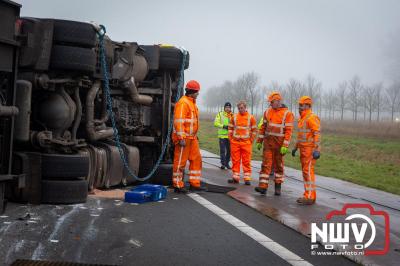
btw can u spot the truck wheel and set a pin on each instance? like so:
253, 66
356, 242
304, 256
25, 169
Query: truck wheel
171, 58
64, 192
163, 175
75, 59
62, 166
74, 33
3, 201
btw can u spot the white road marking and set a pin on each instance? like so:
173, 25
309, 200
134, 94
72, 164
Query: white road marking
126, 220
136, 243
262, 239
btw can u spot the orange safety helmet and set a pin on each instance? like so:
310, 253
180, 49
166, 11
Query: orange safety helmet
274, 96
305, 100
193, 85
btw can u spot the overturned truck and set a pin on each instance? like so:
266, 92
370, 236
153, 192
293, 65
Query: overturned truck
57, 139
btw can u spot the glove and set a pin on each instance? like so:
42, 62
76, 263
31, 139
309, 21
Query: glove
259, 146
182, 143
316, 155
225, 127
284, 150
294, 152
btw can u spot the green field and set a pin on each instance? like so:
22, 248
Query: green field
370, 162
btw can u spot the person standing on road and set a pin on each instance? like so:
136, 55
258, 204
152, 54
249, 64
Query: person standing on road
274, 135
221, 122
184, 137
242, 132
308, 141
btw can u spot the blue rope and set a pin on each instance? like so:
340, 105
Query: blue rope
101, 35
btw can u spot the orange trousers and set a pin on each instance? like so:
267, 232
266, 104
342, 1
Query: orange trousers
272, 160
307, 165
189, 152
241, 154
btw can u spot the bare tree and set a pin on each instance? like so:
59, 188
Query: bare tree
393, 98
378, 91
238, 93
355, 89
263, 98
341, 94
208, 98
246, 88
312, 88
369, 96
292, 89
330, 103
275, 86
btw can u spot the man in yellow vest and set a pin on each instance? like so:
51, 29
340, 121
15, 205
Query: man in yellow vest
221, 122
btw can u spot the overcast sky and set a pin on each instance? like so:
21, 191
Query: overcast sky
333, 40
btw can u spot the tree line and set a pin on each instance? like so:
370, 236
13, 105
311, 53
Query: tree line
350, 99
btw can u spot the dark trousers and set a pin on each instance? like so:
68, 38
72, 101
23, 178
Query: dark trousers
225, 151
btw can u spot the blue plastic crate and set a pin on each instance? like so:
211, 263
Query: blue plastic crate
146, 193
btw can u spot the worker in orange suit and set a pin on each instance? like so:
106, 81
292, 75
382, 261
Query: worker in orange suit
242, 131
274, 135
308, 141
184, 136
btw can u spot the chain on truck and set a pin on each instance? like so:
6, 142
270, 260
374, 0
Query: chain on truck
79, 111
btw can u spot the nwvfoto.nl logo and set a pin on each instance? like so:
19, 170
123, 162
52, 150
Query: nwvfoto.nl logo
354, 232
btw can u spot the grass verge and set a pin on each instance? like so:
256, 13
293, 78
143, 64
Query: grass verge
365, 161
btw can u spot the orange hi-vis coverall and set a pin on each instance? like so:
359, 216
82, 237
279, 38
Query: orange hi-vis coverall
308, 140
275, 132
242, 132
186, 125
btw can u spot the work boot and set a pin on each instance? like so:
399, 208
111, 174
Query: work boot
180, 190
232, 181
305, 201
261, 190
277, 189
222, 167
247, 183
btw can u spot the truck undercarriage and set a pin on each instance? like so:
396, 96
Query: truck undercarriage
57, 139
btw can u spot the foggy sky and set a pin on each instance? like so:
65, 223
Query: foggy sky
333, 40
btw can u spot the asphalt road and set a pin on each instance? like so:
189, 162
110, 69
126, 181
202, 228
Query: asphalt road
177, 231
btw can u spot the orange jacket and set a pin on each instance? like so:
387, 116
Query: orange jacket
308, 130
186, 119
277, 127
242, 128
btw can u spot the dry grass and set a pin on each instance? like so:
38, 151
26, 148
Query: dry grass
372, 162
376, 130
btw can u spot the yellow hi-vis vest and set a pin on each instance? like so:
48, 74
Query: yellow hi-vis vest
221, 120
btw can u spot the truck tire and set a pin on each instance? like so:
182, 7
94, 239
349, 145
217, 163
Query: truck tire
171, 58
75, 59
3, 201
62, 166
74, 33
64, 192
